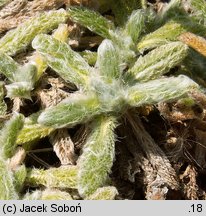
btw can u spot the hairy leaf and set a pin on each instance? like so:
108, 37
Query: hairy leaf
199, 7
89, 56
9, 135
33, 132
19, 89
160, 90
135, 25
26, 73
61, 33
48, 194
158, 62
97, 158
74, 110
169, 32
8, 66
19, 177
108, 61
104, 193
61, 58
19, 38
6, 183
62, 177
94, 21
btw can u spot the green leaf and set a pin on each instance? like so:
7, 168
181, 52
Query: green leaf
125, 47
61, 177
97, 158
170, 32
18, 39
9, 135
8, 66
199, 7
26, 73
33, 132
89, 56
54, 194
61, 58
173, 9
104, 193
6, 183
158, 62
122, 9
61, 33
135, 25
48, 194
160, 90
92, 20
167, 33
23, 81
108, 61
74, 110
19, 177
19, 89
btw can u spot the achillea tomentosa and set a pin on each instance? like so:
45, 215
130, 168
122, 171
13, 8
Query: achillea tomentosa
105, 93
120, 79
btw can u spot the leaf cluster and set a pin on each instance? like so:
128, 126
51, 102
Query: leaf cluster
129, 70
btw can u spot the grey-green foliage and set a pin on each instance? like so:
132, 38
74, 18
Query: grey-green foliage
23, 81
10, 182
89, 56
32, 131
135, 24
8, 66
108, 61
98, 155
104, 193
19, 177
48, 194
163, 28
124, 37
170, 23
106, 95
76, 109
22, 78
164, 89
8, 135
199, 9
158, 61
18, 39
19, 89
62, 177
93, 20
166, 33
7, 187
171, 10
60, 57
